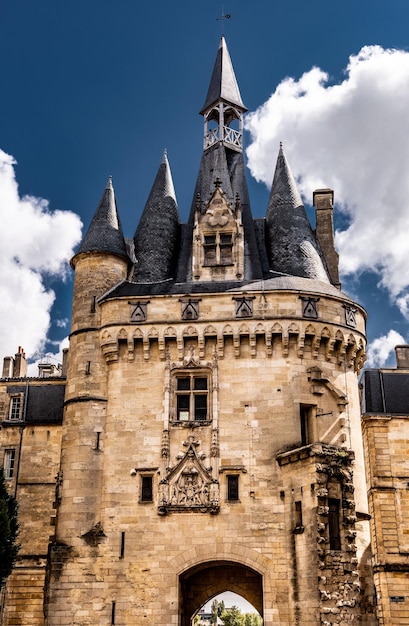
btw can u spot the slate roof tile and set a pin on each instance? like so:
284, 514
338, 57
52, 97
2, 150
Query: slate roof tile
291, 243
157, 236
105, 232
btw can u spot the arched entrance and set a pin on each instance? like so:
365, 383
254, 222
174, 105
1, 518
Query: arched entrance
206, 580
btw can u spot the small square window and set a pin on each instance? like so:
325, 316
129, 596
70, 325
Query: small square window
225, 238
9, 461
146, 489
210, 240
200, 384
184, 384
233, 487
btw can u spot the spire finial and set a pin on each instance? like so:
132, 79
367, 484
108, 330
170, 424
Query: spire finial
224, 16
165, 156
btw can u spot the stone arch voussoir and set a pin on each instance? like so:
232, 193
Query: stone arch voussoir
215, 552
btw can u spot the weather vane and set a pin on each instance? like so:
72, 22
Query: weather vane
224, 16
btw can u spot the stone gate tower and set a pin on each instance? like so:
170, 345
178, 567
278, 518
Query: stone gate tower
211, 436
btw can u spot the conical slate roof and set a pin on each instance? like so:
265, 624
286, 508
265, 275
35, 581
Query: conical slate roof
291, 244
223, 84
105, 232
157, 236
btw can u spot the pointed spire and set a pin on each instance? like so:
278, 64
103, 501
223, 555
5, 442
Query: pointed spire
105, 232
284, 189
292, 247
157, 236
223, 84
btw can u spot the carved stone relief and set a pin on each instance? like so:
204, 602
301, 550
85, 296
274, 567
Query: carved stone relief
189, 485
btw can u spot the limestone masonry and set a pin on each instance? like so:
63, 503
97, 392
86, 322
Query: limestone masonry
204, 431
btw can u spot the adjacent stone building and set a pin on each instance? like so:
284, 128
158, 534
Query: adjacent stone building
385, 406
31, 414
211, 437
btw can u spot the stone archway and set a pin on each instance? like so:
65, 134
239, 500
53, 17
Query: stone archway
206, 580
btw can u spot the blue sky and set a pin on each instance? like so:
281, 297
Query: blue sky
96, 88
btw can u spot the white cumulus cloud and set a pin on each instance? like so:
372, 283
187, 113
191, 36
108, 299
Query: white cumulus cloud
352, 137
35, 243
381, 349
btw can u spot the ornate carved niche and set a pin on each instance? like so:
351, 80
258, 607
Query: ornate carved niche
218, 239
189, 485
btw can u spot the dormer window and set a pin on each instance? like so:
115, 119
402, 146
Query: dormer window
218, 249
218, 239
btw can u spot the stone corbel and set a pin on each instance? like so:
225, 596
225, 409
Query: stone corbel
110, 350
316, 377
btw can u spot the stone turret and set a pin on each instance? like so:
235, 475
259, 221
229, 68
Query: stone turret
100, 263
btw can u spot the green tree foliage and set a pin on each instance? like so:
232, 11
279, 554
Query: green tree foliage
8, 531
252, 619
232, 617
217, 609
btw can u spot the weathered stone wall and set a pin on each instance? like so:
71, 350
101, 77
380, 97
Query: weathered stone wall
118, 555
37, 462
386, 451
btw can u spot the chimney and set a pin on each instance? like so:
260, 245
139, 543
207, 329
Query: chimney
64, 362
323, 200
402, 357
20, 364
8, 365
